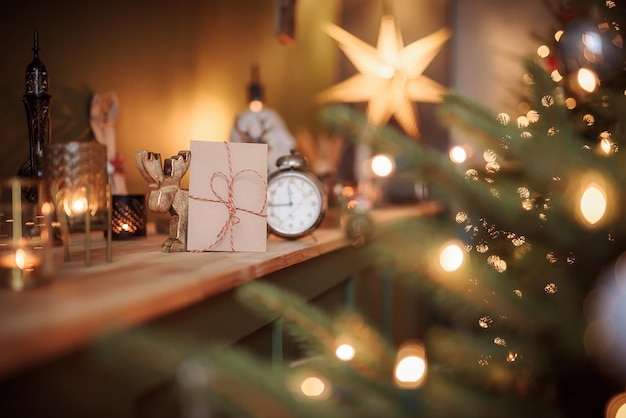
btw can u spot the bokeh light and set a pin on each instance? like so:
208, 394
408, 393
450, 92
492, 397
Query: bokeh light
556, 76
313, 387
76, 204
345, 352
20, 259
557, 35
382, 165
570, 103
587, 80
593, 204
255, 105
458, 154
451, 257
543, 51
606, 145
411, 365
522, 122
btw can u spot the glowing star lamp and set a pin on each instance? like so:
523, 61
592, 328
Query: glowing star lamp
390, 76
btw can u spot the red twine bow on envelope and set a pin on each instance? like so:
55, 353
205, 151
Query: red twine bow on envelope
229, 202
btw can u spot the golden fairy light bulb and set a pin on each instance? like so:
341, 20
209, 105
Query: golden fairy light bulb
593, 204
587, 80
312, 387
543, 51
606, 145
411, 366
557, 35
382, 165
345, 352
556, 76
255, 105
458, 154
451, 257
570, 103
522, 122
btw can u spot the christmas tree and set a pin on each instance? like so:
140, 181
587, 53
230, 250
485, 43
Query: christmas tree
520, 277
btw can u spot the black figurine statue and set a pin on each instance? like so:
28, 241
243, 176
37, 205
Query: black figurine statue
37, 103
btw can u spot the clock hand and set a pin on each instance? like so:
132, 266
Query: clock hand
280, 204
289, 193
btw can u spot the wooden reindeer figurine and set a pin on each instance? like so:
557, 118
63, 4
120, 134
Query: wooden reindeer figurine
166, 194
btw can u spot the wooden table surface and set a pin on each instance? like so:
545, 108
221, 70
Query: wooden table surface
81, 303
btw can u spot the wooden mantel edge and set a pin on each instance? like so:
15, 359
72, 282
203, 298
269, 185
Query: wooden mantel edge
51, 322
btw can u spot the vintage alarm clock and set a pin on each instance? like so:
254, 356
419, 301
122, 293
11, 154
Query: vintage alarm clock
296, 199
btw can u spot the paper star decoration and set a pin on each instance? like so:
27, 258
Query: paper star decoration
390, 76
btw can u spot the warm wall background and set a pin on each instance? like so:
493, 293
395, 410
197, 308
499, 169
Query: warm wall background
181, 69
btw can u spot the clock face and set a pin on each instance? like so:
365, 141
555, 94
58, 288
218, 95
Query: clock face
295, 204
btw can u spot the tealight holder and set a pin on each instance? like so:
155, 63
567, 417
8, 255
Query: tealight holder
130, 216
78, 182
26, 211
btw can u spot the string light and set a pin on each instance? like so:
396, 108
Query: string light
382, 165
543, 51
451, 257
587, 80
606, 145
458, 154
345, 352
313, 387
593, 204
557, 35
411, 365
556, 76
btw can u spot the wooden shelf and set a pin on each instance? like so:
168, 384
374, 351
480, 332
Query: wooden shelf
80, 304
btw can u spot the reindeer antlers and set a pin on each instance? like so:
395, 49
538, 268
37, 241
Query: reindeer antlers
177, 165
149, 165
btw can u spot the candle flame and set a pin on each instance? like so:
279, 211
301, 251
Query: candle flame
20, 258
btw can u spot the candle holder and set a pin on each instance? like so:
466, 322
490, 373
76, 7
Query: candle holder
26, 259
78, 180
129, 216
